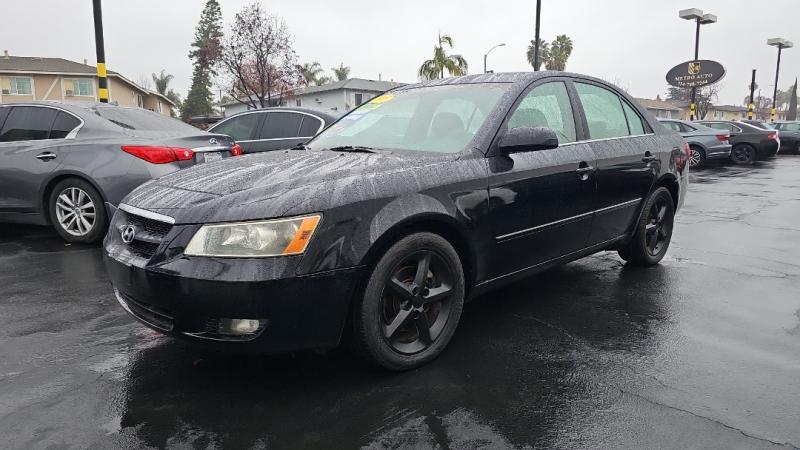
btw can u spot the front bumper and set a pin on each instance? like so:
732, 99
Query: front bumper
297, 312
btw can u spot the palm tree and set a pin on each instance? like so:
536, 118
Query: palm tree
434, 68
341, 72
312, 73
162, 81
544, 53
560, 50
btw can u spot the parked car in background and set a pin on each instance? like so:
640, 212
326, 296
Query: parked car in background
263, 130
705, 143
749, 142
790, 136
69, 165
390, 218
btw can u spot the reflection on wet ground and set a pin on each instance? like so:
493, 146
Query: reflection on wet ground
701, 351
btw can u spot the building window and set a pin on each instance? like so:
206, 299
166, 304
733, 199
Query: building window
18, 86
359, 99
298, 103
139, 100
79, 86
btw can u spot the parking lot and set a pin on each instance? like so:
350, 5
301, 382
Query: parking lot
702, 351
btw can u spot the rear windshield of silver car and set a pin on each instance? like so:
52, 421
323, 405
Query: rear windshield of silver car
441, 119
141, 119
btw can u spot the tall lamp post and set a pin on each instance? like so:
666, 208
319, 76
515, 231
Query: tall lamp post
781, 44
536, 32
701, 19
102, 76
487, 54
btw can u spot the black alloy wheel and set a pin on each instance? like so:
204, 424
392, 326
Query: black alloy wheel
653, 233
743, 154
412, 303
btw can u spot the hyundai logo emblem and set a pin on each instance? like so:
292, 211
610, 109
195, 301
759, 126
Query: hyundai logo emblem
128, 234
213, 141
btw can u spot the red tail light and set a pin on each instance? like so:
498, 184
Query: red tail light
723, 137
772, 135
236, 150
159, 155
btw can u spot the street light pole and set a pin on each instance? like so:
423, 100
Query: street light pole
781, 44
751, 106
700, 19
536, 37
487, 54
102, 79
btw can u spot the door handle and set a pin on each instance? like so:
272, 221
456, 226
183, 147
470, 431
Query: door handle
585, 169
46, 156
648, 157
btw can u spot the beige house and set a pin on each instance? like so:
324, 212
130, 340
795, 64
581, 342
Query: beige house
26, 78
661, 109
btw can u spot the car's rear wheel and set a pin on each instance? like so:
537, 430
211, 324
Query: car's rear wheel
77, 211
653, 232
412, 303
743, 154
697, 157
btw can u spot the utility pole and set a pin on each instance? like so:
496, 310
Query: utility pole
751, 106
102, 75
693, 105
781, 44
536, 44
699, 18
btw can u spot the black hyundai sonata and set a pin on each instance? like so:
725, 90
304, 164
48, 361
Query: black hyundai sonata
384, 224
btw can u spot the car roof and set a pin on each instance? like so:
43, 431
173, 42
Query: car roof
523, 78
328, 117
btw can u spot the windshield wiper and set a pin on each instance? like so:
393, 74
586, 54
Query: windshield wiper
352, 149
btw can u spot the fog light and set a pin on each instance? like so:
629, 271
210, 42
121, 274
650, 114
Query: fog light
238, 327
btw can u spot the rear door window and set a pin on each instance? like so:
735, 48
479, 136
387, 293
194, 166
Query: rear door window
547, 105
281, 125
28, 123
240, 128
603, 109
63, 125
310, 126
635, 125
3, 114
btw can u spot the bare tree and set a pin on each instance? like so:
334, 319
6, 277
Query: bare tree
258, 59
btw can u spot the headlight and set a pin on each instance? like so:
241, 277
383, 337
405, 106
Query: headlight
254, 239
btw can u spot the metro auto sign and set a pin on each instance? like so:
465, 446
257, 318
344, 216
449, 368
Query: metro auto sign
694, 74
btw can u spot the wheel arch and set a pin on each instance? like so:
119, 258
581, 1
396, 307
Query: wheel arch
47, 189
670, 182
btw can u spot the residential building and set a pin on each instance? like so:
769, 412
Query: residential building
660, 108
726, 112
26, 78
339, 96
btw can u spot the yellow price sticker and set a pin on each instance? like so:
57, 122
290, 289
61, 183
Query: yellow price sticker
382, 98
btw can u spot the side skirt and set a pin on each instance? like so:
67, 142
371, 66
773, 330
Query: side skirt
504, 280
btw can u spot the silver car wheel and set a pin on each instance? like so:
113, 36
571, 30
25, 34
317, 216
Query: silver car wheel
695, 158
75, 211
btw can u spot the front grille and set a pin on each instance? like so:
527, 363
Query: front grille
149, 233
158, 317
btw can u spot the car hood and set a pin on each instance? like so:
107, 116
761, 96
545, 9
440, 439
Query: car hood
283, 183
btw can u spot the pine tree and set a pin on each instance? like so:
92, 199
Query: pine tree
204, 53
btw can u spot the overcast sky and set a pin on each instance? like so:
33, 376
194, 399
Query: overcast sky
630, 42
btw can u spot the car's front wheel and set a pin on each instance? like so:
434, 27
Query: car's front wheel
412, 303
743, 154
77, 211
653, 233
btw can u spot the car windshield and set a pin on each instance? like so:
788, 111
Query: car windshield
441, 119
142, 120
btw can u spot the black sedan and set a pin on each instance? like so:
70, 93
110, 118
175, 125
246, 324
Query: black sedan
267, 129
69, 165
750, 142
390, 219
790, 136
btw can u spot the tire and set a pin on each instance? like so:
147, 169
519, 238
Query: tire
743, 154
76, 196
657, 221
697, 158
390, 319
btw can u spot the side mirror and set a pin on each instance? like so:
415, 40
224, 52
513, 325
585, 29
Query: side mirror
528, 139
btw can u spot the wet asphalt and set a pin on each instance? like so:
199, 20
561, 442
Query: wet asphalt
702, 351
